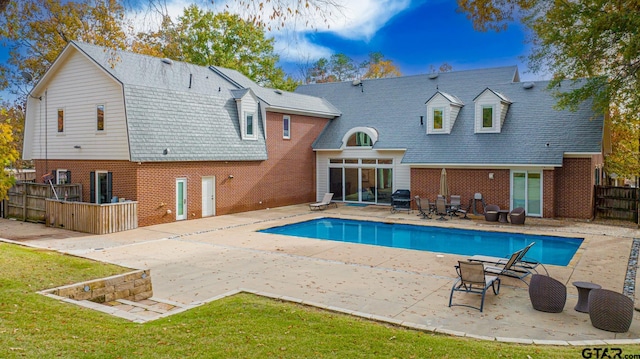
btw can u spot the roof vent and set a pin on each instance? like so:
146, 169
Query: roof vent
528, 85
433, 75
167, 61
356, 82
278, 92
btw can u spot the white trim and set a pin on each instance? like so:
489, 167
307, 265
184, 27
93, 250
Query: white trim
185, 202
526, 190
64, 120
104, 118
254, 129
58, 171
477, 165
370, 131
289, 111
97, 186
286, 135
580, 154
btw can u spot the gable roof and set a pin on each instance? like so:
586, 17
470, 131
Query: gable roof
190, 109
393, 107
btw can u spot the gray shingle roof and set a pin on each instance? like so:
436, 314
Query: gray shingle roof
278, 99
393, 107
182, 107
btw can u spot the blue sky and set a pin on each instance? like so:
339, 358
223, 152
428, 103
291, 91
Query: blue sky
414, 34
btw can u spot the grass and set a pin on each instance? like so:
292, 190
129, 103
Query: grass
242, 326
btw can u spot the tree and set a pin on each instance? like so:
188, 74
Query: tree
8, 155
37, 30
593, 39
377, 67
205, 38
271, 13
339, 67
624, 159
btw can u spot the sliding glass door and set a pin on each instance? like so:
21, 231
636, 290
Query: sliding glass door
361, 180
526, 191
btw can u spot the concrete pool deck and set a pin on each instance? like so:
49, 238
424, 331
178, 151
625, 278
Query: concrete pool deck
194, 261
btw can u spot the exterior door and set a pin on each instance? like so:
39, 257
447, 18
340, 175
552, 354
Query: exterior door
181, 199
526, 191
208, 196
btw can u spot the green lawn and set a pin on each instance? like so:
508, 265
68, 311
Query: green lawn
242, 326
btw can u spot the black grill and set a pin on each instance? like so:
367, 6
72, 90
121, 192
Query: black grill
401, 200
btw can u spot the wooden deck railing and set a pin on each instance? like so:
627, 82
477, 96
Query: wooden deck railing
92, 218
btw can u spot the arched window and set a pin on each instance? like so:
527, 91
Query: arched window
359, 139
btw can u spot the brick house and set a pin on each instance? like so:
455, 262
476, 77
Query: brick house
188, 141
493, 134
184, 141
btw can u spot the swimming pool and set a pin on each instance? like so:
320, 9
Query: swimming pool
547, 250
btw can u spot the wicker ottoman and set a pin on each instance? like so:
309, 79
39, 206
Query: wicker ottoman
547, 294
610, 311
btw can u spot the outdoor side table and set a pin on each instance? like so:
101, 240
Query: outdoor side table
583, 295
503, 216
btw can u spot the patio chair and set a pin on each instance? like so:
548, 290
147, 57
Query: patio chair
456, 206
421, 211
521, 261
518, 215
472, 279
547, 294
491, 213
610, 311
441, 208
324, 204
509, 269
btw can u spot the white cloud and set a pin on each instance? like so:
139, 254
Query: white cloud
354, 20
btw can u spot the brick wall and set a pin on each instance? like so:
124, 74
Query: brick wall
425, 182
124, 175
287, 177
574, 187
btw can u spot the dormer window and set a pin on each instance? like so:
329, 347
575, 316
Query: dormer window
438, 117
442, 111
490, 111
360, 137
487, 117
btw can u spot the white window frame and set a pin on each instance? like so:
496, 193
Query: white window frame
432, 120
493, 117
104, 118
286, 127
64, 120
58, 172
247, 135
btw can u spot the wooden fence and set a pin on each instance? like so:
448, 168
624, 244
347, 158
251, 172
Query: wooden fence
26, 200
617, 202
92, 218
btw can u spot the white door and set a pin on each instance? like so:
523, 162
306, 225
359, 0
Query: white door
181, 199
208, 196
526, 191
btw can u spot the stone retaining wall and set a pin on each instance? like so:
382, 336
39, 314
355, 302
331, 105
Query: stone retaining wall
134, 286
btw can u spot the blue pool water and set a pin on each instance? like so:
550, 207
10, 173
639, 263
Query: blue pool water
547, 250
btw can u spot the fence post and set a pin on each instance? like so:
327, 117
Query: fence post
24, 203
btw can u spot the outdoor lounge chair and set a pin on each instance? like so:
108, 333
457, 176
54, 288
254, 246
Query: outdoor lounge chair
491, 213
326, 201
517, 216
509, 269
472, 279
421, 211
521, 261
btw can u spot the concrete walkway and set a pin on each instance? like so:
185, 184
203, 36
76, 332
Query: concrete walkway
194, 261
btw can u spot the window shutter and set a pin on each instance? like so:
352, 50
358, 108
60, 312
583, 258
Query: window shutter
68, 176
92, 187
109, 188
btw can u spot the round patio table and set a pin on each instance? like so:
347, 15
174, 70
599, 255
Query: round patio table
583, 295
503, 216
